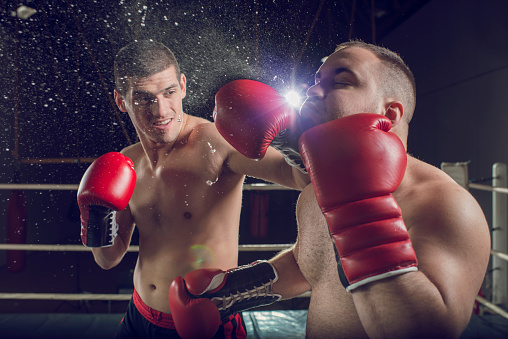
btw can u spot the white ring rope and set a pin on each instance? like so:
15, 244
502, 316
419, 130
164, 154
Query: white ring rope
131, 248
65, 296
482, 187
73, 187
80, 296
498, 254
134, 248
492, 307
89, 296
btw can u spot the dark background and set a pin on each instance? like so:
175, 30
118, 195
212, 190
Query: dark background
57, 112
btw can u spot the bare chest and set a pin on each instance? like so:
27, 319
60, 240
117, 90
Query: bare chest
316, 255
176, 190
316, 259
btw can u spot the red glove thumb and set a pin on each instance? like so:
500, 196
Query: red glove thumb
193, 317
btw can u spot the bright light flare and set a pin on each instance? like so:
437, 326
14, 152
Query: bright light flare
293, 98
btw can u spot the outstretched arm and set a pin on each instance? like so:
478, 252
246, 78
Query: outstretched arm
251, 116
291, 281
272, 168
206, 296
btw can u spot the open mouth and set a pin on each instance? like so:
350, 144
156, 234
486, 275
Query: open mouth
162, 122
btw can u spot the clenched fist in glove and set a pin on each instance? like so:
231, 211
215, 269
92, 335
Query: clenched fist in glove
355, 164
252, 116
106, 187
206, 296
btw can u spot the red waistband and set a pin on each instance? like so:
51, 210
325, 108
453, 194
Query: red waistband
157, 318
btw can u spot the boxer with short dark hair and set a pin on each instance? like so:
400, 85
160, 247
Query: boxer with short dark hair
180, 185
389, 246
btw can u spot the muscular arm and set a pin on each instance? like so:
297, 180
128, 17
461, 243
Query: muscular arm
272, 168
109, 257
291, 282
452, 245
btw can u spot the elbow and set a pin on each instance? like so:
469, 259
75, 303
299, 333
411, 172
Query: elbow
444, 326
103, 262
300, 180
105, 265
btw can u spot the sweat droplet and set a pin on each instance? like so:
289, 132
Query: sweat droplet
212, 150
210, 183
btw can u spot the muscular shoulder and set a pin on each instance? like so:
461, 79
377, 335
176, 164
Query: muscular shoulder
438, 210
204, 136
204, 129
134, 152
431, 193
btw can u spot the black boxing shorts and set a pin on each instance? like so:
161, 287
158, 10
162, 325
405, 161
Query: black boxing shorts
141, 321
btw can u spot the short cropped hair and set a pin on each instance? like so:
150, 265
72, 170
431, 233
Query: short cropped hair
140, 59
395, 79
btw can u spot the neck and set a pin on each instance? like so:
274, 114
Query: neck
155, 151
401, 132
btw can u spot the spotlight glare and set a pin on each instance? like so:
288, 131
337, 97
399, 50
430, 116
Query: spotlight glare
293, 98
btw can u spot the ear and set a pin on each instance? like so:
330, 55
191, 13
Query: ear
120, 101
394, 110
183, 85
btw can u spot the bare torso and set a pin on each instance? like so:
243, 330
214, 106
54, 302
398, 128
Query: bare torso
331, 309
332, 313
186, 209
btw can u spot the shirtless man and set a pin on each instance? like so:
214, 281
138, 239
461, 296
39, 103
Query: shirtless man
402, 273
181, 186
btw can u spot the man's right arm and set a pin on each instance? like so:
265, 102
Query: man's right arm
103, 197
291, 281
252, 116
206, 296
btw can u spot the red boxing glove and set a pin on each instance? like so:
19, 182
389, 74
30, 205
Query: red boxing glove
106, 186
208, 296
249, 115
355, 164
193, 318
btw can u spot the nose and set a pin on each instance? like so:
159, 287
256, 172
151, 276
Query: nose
159, 107
315, 91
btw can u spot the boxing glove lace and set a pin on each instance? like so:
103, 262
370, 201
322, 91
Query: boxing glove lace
206, 296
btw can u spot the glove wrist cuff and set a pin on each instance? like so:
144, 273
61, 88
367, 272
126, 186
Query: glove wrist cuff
246, 287
101, 229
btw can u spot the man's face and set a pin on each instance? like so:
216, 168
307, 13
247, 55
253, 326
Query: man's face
154, 105
344, 85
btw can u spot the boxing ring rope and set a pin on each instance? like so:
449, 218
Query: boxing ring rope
498, 252
74, 187
131, 248
111, 296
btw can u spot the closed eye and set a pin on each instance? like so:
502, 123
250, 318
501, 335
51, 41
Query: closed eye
342, 84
